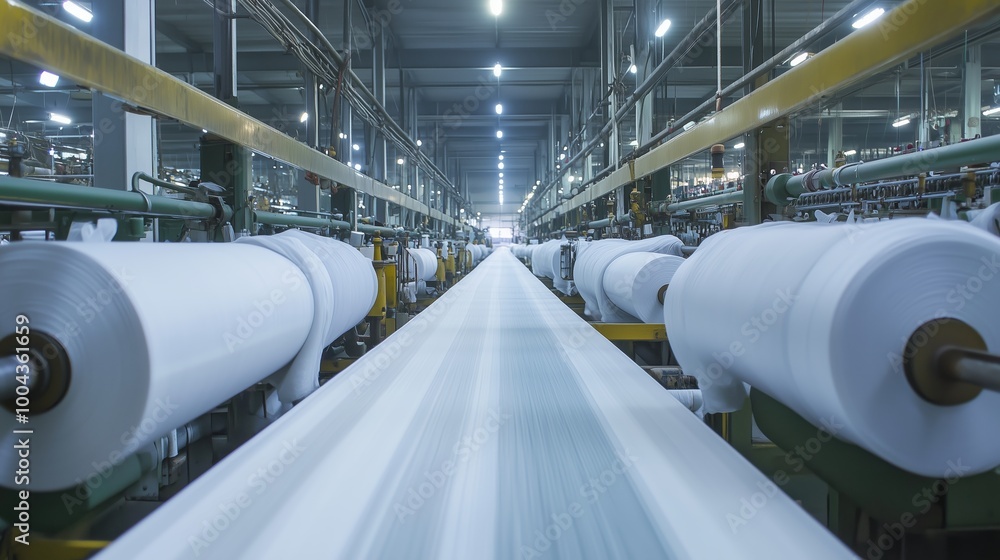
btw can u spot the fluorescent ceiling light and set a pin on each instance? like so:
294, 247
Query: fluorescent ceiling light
868, 18
992, 111
500, 165
499, 134
78, 11
497, 69
501, 181
501, 175
303, 117
496, 7
851, 153
739, 146
799, 59
499, 108
501, 157
901, 122
355, 147
63, 119
662, 29
48, 79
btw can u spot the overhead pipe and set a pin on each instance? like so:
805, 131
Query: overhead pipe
369, 97
44, 193
140, 176
786, 186
701, 28
714, 200
805, 41
838, 19
288, 220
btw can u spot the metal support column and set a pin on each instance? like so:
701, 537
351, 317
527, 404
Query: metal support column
224, 51
380, 170
973, 91
756, 153
609, 67
123, 142
835, 138
644, 24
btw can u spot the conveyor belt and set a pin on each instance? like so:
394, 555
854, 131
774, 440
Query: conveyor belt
497, 424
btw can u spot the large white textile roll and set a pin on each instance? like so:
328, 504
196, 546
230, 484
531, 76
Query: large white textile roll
818, 317
155, 335
634, 281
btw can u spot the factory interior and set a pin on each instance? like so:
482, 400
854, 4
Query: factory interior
497, 279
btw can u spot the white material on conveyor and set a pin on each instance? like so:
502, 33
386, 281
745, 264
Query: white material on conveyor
588, 273
633, 283
496, 424
421, 264
156, 335
987, 219
344, 287
818, 317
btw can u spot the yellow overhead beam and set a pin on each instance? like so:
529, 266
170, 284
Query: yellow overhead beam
36, 38
914, 26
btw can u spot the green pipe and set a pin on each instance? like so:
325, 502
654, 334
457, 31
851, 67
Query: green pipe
725, 198
26, 191
139, 175
273, 219
608, 222
786, 186
372, 230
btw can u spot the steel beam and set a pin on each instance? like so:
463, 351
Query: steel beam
33, 37
914, 26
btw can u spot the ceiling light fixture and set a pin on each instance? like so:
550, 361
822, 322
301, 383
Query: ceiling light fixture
499, 134
798, 59
62, 119
868, 18
400, 161
497, 69
633, 69
500, 165
420, 143
901, 122
499, 108
496, 7
663, 28
48, 79
78, 11
851, 153
739, 146
355, 147
303, 117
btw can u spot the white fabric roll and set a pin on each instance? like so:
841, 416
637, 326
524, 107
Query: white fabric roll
988, 219
633, 284
344, 288
818, 317
591, 264
156, 335
421, 264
